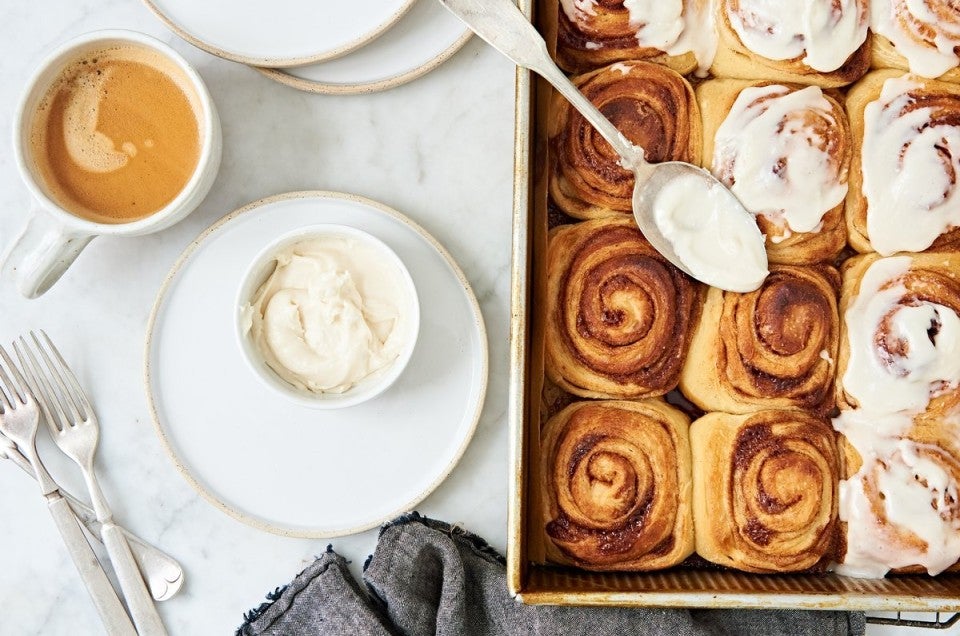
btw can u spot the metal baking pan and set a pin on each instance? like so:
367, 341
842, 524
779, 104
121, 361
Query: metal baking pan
532, 581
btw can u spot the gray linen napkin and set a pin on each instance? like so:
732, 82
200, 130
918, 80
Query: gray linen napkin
427, 577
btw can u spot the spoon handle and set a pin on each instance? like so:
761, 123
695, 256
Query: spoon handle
502, 26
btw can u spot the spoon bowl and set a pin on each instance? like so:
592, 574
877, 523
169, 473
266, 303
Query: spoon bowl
685, 213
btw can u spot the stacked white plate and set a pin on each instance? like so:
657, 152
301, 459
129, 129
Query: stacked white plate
360, 46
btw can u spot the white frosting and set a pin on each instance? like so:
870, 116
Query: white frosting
711, 235
910, 198
924, 335
828, 31
910, 32
920, 500
333, 312
788, 177
675, 27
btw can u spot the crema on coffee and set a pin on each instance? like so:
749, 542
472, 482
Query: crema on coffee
117, 135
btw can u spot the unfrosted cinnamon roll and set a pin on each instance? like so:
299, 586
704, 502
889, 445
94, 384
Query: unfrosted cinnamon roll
822, 42
616, 485
765, 490
904, 194
651, 105
619, 316
900, 344
591, 33
772, 348
784, 150
922, 37
900, 497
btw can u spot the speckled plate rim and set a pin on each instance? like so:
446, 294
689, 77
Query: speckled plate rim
328, 88
261, 524
280, 62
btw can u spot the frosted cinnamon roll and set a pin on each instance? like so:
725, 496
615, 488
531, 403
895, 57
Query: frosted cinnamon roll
772, 348
651, 105
904, 195
900, 346
765, 490
679, 34
616, 486
784, 150
619, 316
922, 37
822, 42
900, 499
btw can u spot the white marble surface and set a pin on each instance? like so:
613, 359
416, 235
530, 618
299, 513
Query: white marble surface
439, 150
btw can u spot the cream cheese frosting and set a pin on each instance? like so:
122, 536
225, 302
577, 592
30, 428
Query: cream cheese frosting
333, 312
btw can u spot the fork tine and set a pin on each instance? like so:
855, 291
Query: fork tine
50, 404
55, 378
5, 387
79, 396
20, 387
34, 377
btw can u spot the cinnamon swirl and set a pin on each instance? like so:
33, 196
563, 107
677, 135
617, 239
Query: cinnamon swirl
591, 33
922, 37
903, 194
651, 105
822, 42
784, 150
765, 490
619, 316
900, 345
772, 348
616, 485
900, 499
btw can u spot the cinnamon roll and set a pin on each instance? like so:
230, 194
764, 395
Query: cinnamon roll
592, 33
900, 345
903, 194
775, 347
784, 150
765, 490
616, 486
619, 316
822, 42
900, 497
651, 105
922, 37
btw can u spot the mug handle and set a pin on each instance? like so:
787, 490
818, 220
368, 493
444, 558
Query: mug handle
42, 253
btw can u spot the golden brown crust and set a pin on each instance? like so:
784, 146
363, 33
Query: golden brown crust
771, 348
617, 486
765, 490
943, 97
619, 316
716, 98
931, 278
651, 105
883, 53
734, 59
592, 41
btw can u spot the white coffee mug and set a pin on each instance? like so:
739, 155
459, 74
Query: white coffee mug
54, 237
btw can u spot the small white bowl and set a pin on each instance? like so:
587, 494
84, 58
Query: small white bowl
262, 267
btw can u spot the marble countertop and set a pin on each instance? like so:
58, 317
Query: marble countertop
439, 150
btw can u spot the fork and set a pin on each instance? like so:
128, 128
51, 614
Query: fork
76, 431
19, 420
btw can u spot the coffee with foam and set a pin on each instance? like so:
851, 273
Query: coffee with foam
117, 136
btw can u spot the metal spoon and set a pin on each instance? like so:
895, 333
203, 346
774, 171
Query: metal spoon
727, 234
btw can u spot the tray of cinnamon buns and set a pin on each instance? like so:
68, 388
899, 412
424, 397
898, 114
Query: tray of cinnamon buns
795, 446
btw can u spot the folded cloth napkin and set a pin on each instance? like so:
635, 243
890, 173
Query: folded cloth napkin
427, 577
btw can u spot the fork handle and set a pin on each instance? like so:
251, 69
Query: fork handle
139, 602
104, 597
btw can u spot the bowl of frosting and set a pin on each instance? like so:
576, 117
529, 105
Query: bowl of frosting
327, 315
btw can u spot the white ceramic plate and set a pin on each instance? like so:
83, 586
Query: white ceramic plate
289, 469
423, 40
279, 32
